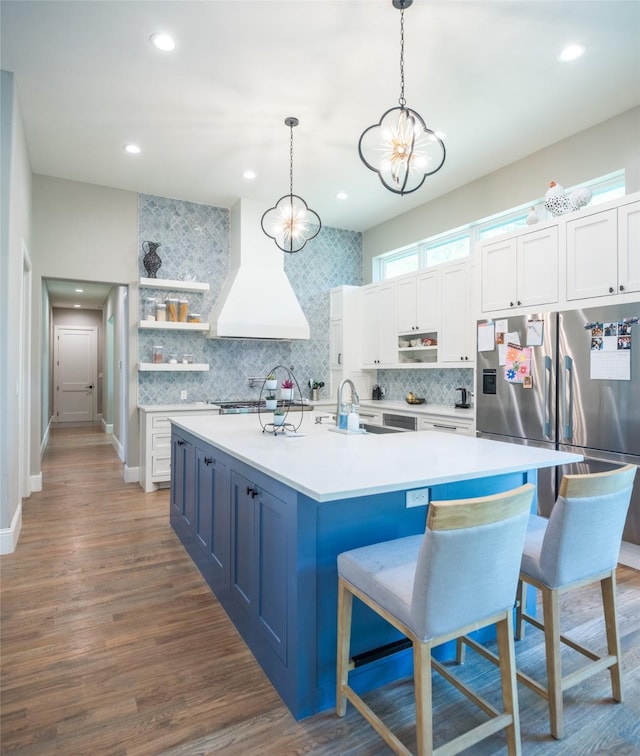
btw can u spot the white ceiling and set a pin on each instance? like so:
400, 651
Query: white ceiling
486, 73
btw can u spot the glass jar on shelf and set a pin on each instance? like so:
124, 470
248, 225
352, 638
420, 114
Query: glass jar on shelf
149, 308
161, 311
157, 355
173, 358
183, 310
172, 309
193, 317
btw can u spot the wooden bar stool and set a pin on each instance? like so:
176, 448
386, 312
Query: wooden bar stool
577, 546
461, 575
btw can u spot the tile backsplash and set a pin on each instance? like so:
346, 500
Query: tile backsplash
436, 386
194, 244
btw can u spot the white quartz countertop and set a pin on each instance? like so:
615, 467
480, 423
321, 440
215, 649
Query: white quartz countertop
182, 407
326, 465
391, 405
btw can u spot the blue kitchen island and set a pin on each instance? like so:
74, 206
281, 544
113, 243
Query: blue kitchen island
264, 518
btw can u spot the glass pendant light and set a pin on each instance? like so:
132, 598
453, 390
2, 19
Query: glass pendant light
400, 148
291, 223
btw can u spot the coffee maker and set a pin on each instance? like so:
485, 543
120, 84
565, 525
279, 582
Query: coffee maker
464, 399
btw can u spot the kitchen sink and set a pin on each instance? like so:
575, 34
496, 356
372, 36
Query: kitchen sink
379, 428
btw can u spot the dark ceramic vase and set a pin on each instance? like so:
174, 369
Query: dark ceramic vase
151, 259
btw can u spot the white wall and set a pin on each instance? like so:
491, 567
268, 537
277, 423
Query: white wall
605, 148
14, 237
83, 232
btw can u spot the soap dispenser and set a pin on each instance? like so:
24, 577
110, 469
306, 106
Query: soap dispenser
353, 423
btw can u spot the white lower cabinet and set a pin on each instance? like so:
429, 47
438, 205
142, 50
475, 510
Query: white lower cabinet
155, 442
461, 426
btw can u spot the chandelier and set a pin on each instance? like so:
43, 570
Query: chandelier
400, 148
291, 223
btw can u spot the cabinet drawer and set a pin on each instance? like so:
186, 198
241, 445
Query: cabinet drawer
160, 422
446, 426
161, 466
160, 441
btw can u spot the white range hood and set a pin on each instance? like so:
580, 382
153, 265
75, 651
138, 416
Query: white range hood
257, 300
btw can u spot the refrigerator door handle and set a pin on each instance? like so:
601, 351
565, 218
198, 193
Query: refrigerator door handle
546, 392
568, 385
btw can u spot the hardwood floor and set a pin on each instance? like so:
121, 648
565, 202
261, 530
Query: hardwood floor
112, 643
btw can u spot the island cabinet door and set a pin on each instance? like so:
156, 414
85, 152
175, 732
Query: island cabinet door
212, 518
259, 564
182, 489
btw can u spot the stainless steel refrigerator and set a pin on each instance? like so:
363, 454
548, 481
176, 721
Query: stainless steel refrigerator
567, 400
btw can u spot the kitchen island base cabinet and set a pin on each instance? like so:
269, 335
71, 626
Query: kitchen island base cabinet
269, 553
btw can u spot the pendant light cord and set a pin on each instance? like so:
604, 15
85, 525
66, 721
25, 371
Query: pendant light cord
291, 160
402, 102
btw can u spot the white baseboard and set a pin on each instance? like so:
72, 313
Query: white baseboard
9, 536
131, 474
115, 442
36, 483
630, 555
45, 439
106, 427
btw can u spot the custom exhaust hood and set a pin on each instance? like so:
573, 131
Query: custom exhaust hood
257, 300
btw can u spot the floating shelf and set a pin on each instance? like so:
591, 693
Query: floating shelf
418, 348
169, 367
170, 325
165, 283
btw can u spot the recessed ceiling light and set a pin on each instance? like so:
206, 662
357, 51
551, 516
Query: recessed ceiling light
76, 306
572, 51
162, 41
341, 195
132, 149
249, 175
79, 290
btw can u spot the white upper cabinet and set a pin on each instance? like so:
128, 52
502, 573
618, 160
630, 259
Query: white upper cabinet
378, 325
456, 342
592, 259
418, 303
629, 248
520, 271
603, 253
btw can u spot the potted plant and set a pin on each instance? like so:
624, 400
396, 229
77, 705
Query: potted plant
270, 401
278, 417
271, 382
286, 390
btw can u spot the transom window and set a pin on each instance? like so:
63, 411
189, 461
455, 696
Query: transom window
458, 243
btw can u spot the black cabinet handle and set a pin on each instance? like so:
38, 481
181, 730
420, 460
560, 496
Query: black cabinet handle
621, 287
253, 492
180, 443
519, 302
208, 460
510, 304
611, 290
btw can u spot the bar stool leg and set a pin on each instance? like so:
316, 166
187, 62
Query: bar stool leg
422, 685
609, 602
506, 655
345, 605
551, 609
520, 608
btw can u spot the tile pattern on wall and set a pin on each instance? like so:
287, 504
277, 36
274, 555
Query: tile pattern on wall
194, 243
435, 385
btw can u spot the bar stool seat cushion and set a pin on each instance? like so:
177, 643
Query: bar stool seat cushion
385, 572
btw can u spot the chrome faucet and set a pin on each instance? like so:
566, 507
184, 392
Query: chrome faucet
355, 399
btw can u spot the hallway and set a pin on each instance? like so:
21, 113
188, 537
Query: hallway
112, 643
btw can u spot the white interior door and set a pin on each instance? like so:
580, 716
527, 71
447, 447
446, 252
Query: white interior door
76, 374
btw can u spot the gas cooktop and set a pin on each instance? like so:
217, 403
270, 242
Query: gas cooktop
253, 405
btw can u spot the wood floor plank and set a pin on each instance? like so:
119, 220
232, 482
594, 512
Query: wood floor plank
112, 643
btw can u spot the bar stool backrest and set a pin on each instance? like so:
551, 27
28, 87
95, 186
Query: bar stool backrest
469, 560
584, 532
